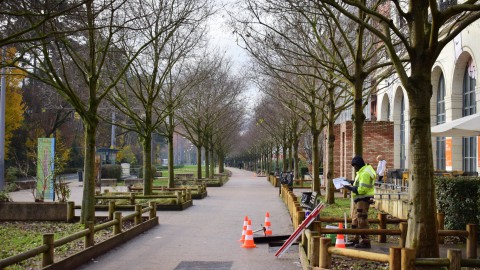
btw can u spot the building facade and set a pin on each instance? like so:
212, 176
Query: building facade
455, 95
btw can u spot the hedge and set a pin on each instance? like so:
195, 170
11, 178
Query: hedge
459, 198
111, 171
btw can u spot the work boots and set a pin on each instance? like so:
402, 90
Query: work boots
363, 244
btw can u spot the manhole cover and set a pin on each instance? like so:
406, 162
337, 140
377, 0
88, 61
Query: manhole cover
203, 265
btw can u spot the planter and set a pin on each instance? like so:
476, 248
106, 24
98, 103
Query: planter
39, 211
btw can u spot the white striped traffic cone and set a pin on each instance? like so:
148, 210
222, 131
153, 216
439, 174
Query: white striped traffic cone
249, 237
268, 225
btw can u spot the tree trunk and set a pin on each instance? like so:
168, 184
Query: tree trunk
330, 189
284, 152
221, 166
422, 226
315, 161
296, 165
207, 163
199, 162
171, 171
277, 159
290, 159
358, 118
88, 201
147, 165
212, 163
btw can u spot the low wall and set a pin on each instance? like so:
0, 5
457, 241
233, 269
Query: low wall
392, 202
24, 211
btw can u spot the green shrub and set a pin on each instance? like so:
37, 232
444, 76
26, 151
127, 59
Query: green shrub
459, 199
303, 171
111, 171
12, 174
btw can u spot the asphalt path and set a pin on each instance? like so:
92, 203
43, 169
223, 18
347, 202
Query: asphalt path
205, 236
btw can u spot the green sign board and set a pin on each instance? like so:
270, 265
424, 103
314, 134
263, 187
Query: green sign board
45, 168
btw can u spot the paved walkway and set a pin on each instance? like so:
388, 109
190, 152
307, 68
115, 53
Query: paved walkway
205, 236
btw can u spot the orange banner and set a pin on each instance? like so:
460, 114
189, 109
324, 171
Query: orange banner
448, 152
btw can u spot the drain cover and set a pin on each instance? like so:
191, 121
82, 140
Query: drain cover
203, 265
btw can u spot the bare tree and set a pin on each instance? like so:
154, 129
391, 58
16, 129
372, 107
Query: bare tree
422, 31
90, 41
145, 95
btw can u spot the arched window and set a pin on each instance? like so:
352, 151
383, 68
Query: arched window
402, 134
441, 161
469, 149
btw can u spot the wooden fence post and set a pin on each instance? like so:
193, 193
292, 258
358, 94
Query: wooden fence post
111, 209
382, 224
153, 211
395, 259
118, 227
89, 238
455, 257
472, 241
325, 258
408, 258
314, 250
132, 198
138, 217
47, 256
403, 234
441, 226
179, 197
70, 211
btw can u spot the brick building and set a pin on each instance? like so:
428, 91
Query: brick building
378, 140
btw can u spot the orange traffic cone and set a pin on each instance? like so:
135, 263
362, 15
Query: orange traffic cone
340, 243
268, 228
244, 231
248, 243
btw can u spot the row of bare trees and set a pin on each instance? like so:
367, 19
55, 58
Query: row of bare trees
146, 60
318, 58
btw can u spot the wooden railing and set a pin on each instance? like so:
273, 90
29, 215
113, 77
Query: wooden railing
179, 196
49, 243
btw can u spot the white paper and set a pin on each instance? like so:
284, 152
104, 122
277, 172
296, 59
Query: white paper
340, 182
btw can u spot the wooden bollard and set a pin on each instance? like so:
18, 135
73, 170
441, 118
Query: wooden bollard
138, 217
382, 224
300, 218
89, 238
325, 258
179, 197
118, 227
408, 259
111, 209
70, 211
403, 234
395, 258
472, 241
132, 198
455, 258
314, 250
153, 211
47, 256
441, 226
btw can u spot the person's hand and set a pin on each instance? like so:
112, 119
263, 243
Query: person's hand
352, 189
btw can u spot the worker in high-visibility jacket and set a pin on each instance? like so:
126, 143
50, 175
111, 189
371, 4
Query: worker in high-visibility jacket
362, 194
